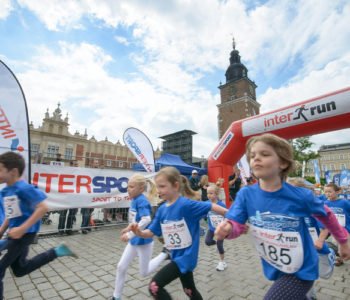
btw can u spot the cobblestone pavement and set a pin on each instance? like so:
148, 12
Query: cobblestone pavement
92, 275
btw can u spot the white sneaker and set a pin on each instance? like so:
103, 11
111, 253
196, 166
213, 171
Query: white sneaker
220, 266
225, 264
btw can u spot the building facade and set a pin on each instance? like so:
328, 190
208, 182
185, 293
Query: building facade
238, 97
52, 141
179, 143
335, 158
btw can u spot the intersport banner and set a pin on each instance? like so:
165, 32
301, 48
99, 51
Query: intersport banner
71, 187
140, 145
14, 129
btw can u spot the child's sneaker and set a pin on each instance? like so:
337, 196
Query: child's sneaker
221, 266
63, 250
326, 264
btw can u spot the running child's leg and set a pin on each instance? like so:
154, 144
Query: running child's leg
189, 286
209, 238
144, 253
163, 277
128, 255
289, 287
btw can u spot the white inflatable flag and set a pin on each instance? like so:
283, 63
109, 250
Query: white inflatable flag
141, 147
14, 129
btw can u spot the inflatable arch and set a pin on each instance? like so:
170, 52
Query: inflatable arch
317, 115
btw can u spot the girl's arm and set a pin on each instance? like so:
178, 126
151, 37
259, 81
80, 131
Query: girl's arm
127, 233
322, 238
219, 209
230, 229
141, 233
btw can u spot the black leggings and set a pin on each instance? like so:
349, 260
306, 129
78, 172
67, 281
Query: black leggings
289, 287
166, 275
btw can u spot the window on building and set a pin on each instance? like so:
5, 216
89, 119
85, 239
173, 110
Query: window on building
120, 164
324, 168
34, 148
68, 153
332, 167
108, 163
52, 150
343, 167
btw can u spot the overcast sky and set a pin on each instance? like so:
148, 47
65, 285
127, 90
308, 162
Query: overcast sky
156, 65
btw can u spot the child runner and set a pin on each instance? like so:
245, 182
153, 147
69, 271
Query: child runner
341, 209
214, 220
140, 211
24, 207
178, 221
276, 212
187, 191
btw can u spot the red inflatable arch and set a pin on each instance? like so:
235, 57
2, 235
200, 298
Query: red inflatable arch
317, 115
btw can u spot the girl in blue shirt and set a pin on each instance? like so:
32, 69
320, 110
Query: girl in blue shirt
140, 212
276, 212
214, 220
178, 222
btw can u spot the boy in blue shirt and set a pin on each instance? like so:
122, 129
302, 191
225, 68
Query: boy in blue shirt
24, 207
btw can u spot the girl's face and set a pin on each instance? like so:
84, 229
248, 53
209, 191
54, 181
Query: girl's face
330, 193
134, 188
212, 196
264, 161
166, 189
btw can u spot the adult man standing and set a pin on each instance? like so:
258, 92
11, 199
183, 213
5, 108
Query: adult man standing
234, 183
194, 180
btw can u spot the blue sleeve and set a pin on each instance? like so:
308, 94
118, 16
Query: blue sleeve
155, 224
32, 195
197, 209
238, 212
314, 204
143, 208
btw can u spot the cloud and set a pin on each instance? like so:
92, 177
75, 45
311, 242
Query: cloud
122, 40
5, 8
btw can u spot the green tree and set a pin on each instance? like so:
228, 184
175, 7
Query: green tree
302, 152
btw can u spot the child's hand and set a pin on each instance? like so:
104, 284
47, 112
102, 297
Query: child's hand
125, 230
344, 251
223, 230
16, 232
124, 237
135, 229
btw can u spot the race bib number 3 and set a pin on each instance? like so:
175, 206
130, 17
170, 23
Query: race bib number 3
176, 235
281, 249
12, 209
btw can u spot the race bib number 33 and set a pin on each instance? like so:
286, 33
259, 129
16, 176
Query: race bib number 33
176, 235
281, 249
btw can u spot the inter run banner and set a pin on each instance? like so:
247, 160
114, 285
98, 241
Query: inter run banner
14, 129
72, 187
141, 147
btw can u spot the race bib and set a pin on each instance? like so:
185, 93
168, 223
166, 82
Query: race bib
215, 219
132, 216
12, 209
313, 233
281, 249
176, 235
341, 219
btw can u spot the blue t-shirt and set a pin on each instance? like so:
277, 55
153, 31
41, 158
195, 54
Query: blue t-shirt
2, 211
139, 208
28, 197
341, 209
281, 235
191, 212
211, 214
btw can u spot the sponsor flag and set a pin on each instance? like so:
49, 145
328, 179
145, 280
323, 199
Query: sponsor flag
243, 166
317, 171
139, 144
328, 176
14, 128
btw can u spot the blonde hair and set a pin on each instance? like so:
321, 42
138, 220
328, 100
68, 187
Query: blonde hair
186, 189
171, 174
215, 187
146, 184
204, 180
281, 147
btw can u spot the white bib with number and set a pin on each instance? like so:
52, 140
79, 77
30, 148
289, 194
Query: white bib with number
215, 219
132, 216
12, 209
281, 249
176, 235
341, 219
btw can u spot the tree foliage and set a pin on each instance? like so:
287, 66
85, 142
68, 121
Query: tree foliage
302, 152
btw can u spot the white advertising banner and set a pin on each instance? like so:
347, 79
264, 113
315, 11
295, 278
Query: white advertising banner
139, 144
14, 135
70, 187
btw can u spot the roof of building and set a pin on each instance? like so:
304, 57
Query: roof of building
178, 133
333, 147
